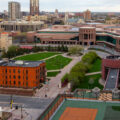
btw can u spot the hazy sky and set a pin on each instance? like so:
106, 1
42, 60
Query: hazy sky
69, 5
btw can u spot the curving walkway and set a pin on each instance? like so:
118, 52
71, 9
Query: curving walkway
52, 89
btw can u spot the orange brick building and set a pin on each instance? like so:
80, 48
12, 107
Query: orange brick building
19, 74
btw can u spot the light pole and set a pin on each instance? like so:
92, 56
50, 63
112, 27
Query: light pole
11, 101
21, 113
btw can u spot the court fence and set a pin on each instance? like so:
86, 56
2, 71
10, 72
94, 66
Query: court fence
77, 94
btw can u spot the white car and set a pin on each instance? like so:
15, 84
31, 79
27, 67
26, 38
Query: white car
112, 77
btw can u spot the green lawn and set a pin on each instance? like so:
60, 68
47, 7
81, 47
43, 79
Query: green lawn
85, 84
37, 56
57, 62
96, 67
52, 74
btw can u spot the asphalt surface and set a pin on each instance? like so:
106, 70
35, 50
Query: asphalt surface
26, 102
112, 79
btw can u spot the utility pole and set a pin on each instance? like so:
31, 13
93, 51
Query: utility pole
11, 101
21, 113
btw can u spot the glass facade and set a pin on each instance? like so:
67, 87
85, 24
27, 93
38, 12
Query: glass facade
106, 39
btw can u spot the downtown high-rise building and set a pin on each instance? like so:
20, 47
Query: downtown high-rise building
34, 7
14, 10
87, 15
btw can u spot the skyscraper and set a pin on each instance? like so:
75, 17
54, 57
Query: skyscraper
34, 7
14, 10
87, 15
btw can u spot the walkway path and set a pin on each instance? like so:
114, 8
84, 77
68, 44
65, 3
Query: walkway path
53, 89
54, 70
50, 57
93, 73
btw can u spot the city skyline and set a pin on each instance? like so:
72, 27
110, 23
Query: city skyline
71, 5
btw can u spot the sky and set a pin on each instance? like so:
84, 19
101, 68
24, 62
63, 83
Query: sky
69, 5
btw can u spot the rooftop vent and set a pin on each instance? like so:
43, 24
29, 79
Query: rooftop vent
19, 62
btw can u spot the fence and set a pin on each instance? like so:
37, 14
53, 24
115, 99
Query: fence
77, 94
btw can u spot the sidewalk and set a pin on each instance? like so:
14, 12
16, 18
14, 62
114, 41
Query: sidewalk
93, 73
53, 89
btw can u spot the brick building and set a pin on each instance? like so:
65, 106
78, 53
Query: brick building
87, 15
87, 35
22, 74
70, 35
111, 72
5, 41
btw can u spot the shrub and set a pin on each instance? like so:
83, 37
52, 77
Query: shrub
79, 67
76, 78
65, 77
89, 57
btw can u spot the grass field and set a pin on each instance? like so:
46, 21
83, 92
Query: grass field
37, 56
86, 85
52, 74
102, 108
57, 62
96, 67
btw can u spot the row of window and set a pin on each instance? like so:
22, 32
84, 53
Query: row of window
14, 77
41, 68
14, 71
14, 83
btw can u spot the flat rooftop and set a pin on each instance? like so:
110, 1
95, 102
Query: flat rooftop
13, 63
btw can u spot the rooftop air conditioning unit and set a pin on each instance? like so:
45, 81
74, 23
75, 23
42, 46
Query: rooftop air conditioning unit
19, 62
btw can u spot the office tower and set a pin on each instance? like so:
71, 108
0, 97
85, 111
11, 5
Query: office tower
14, 9
34, 7
87, 15
66, 17
5, 41
56, 13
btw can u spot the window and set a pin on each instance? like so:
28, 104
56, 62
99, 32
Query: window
9, 71
18, 77
10, 76
6, 82
13, 70
19, 82
18, 71
26, 71
14, 82
85, 36
14, 76
26, 77
6, 70
27, 84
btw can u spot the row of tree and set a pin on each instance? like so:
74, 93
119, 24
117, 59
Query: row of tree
14, 51
77, 73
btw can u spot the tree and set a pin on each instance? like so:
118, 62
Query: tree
79, 67
89, 57
76, 78
75, 50
12, 51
